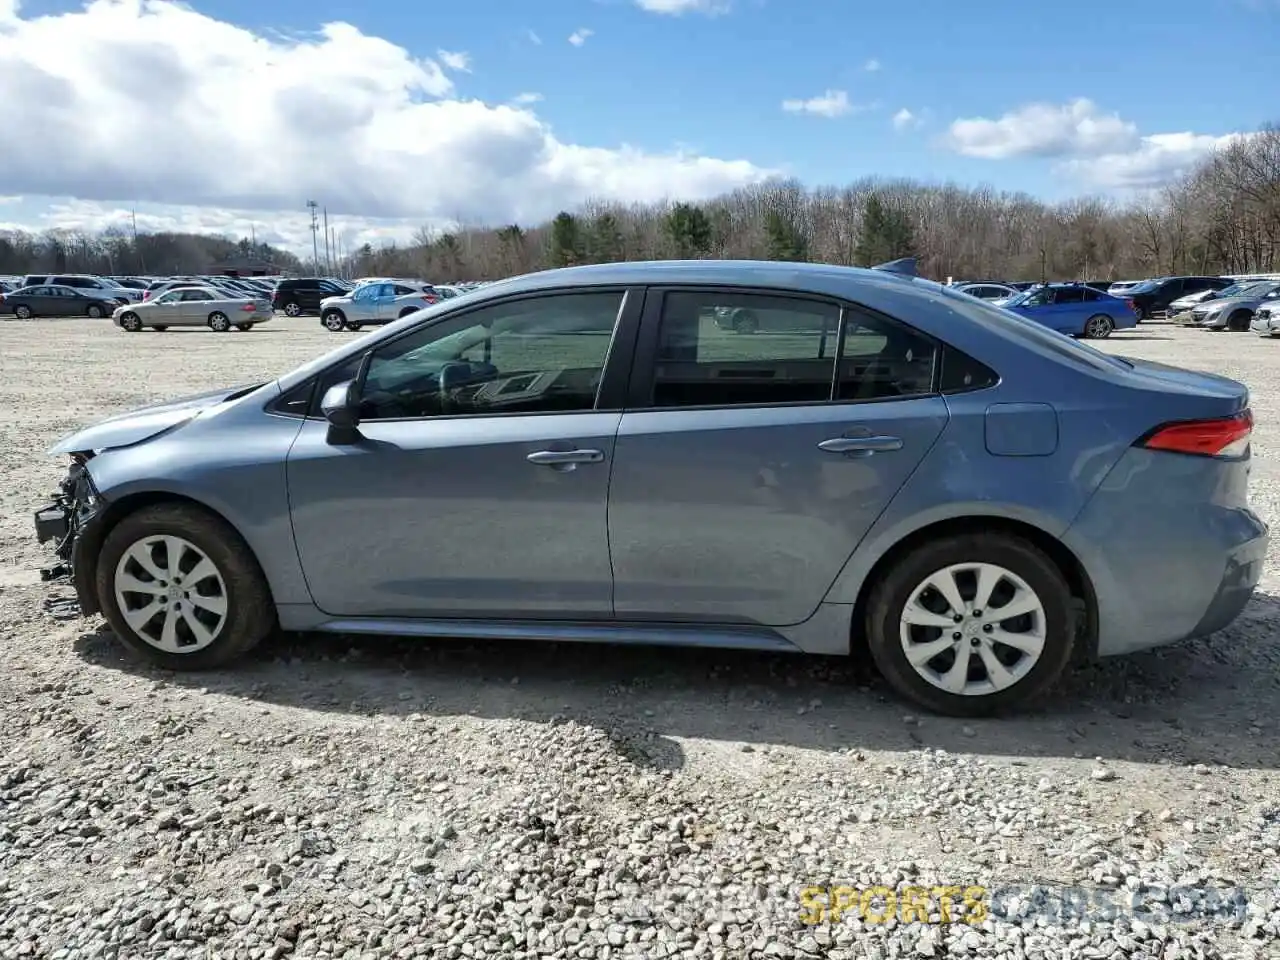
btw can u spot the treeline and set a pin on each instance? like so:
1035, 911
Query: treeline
1223, 217
116, 252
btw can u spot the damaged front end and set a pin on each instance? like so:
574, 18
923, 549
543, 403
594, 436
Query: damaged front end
69, 520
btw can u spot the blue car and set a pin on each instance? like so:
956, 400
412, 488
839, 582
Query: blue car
1075, 309
898, 470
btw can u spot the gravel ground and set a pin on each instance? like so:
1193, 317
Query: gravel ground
393, 799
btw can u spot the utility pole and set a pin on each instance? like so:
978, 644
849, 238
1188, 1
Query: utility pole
328, 263
337, 254
315, 225
133, 217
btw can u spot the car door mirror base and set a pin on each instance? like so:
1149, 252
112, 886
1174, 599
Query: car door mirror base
341, 407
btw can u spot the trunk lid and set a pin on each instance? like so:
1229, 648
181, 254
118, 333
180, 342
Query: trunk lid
1191, 394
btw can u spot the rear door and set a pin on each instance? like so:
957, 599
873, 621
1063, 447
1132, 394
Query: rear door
746, 471
195, 307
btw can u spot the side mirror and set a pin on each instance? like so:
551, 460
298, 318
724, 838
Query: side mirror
341, 407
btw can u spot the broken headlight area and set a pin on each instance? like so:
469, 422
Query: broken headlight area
62, 519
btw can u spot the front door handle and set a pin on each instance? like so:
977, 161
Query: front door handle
864, 446
565, 458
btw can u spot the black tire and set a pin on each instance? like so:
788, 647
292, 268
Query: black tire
250, 612
160, 329
744, 321
1139, 314
334, 321
1018, 556
244, 327
1239, 321
130, 322
406, 311
95, 312
293, 309
353, 326
22, 312
219, 322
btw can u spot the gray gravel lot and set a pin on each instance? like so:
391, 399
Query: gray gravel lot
391, 799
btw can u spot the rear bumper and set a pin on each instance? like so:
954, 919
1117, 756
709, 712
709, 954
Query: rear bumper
1170, 551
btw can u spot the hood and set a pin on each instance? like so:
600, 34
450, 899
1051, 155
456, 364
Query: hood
335, 299
1225, 303
125, 429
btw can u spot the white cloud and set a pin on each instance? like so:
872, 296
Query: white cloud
871, 66
579, 36
904, 119
677, 8
1156, 160
204, 113
831, 103
523, 99
1077, 128
459, 61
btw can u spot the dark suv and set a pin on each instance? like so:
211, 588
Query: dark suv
299, 295
1154, 296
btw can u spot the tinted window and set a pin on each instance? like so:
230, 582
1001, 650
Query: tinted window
1090, 294
960, 372
536, 355
724, 349
1069, 295
883, 360
189, 296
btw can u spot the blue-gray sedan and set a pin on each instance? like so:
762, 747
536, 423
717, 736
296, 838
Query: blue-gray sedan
588, 454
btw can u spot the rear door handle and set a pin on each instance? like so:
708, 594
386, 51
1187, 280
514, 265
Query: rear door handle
861, 445
565, 458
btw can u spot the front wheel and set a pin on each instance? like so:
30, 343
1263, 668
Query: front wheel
95, 312
334, 321
1099, 327
131, 323
22, 312
219, 322
972, 625
179, 587
292, 309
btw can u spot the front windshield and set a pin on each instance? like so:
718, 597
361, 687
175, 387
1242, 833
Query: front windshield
1245, 289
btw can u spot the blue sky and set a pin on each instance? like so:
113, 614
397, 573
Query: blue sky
713, 84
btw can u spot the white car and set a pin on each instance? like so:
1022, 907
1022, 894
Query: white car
1121, 287
996, 293
1185, 304
1266, 321
373, 304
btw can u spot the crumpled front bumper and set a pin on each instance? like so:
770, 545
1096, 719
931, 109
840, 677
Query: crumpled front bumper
72, 520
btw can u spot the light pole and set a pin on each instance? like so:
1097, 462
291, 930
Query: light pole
315, 244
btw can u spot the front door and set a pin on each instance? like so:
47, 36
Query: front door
479, 484
740, 486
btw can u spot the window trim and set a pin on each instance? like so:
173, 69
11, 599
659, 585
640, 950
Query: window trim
610, 395
640, 392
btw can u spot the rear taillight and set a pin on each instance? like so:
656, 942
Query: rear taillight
1131, 305
248, 307
146, 294
429, 298
1224, 437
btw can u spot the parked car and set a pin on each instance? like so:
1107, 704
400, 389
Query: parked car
574, 455
1152, 297
1179, 311
1121, 287
47, 300
296, 296
194, 307
1235, 312
372, 304
996, 292
1074, 309
1266, 320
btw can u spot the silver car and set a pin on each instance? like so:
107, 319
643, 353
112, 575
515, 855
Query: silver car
373, 304
1234, 307
1266, 320
194, 307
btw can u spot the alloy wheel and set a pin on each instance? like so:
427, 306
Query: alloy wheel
973, 629
171, 594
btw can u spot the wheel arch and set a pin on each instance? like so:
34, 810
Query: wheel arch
116, 510
1072, 569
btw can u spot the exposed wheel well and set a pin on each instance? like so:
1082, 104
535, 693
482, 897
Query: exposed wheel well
117, 510
1067, 563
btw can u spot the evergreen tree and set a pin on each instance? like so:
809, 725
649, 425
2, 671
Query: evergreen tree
886, 234
785, 241
689, 228
566, 240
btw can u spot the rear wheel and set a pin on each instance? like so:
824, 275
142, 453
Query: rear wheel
292, 309
219, 322
22, 312
1099, 327
244, 327
1239, 320
160, 329
180, 588
406, 311
1139, 314
972, 625
334, 321
132, 323
95, 312
353, 326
